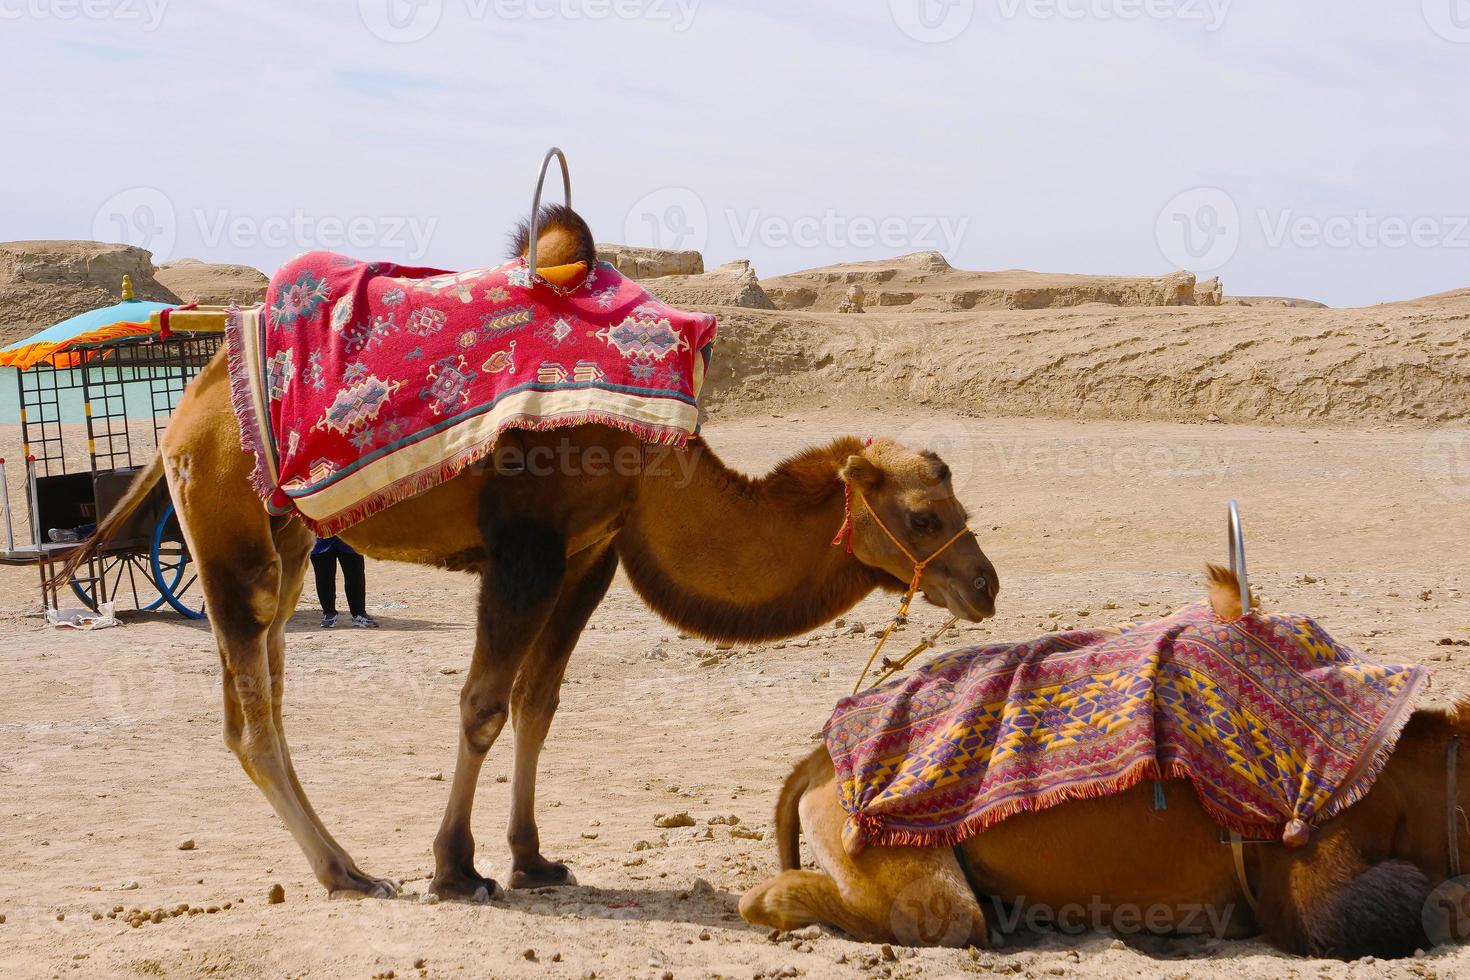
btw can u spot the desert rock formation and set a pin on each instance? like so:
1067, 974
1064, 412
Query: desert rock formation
194, 281
43, 283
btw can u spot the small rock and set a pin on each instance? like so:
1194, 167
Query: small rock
130, 886
746, 833
187, 844
528, 954
429, 898
276, 895
589, 835
436, 777
60, 916
888, 953
419, 963
1212, 417
446, 671
680, 819
704, 934
719, 820
1117, 944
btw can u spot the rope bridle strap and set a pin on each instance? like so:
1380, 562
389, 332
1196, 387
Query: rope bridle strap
846, 531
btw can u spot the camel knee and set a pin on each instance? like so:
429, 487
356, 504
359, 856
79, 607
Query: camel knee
481, 719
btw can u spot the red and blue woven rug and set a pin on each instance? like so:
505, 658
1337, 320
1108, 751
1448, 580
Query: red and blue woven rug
1278, 726
359, 384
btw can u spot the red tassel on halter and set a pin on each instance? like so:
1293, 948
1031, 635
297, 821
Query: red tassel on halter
846, 529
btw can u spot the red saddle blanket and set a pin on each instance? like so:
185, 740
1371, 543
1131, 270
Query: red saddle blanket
359, 384
1277, 726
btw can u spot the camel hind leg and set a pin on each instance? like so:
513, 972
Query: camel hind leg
250, 588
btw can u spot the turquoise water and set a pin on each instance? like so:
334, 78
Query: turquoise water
137, 402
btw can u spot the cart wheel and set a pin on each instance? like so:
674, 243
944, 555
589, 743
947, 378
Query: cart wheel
170, 559
86, 592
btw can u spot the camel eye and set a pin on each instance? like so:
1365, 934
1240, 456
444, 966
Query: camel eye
923, 523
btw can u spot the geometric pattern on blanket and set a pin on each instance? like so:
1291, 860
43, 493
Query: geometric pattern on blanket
1277, 726
358, 384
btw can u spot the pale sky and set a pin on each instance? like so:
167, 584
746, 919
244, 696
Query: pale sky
1312, 148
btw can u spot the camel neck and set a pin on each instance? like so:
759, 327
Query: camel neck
732, 557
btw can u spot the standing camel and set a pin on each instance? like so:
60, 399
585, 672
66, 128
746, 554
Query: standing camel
545, 524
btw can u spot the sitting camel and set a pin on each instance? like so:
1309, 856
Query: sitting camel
714, 552
1361, 886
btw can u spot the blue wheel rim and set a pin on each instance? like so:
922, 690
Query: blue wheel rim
170, 588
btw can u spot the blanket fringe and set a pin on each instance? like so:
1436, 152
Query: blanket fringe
253, 438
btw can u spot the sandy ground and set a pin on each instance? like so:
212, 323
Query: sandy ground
111, 755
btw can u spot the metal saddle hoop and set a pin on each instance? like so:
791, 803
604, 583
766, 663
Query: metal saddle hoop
1236, 542
566, 183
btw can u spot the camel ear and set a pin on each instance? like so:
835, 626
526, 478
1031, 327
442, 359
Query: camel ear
861, 471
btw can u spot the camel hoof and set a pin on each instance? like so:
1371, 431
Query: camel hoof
361, 886
476, 890
551, 874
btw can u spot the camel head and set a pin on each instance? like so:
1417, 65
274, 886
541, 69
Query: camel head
903, 501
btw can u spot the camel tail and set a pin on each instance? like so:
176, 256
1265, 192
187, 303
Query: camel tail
1225, 592
137, 493
788, 816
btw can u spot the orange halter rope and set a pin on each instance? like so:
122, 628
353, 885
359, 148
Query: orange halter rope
908, 597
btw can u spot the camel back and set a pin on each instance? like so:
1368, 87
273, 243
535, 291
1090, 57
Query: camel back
359, 384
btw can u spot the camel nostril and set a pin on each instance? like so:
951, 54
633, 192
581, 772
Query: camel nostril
982, 584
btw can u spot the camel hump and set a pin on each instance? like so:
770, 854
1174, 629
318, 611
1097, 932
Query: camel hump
562, 237
1225, 591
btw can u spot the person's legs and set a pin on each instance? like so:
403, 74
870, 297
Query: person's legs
354, 582
324, 566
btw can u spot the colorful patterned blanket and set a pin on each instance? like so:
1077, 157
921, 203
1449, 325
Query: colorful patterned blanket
1278, 727
359, 384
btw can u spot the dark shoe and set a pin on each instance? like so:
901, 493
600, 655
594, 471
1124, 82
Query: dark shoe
329, 620
365, 622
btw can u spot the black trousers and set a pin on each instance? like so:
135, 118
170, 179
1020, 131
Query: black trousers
354, 581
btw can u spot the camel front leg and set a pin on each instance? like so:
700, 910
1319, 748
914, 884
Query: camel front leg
534, 700
523, 577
